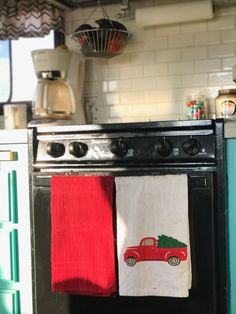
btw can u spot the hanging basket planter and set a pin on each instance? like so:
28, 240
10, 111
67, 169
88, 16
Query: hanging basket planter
105, 41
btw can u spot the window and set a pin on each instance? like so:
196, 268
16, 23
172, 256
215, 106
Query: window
23, 75
17, 76
5, 86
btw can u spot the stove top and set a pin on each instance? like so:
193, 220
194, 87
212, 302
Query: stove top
59, 126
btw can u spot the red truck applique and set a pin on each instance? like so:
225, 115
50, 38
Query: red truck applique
164, 248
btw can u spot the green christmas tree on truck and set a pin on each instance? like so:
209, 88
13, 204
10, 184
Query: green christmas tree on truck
162, 248
169, 242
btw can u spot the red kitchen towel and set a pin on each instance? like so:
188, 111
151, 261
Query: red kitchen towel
82, 239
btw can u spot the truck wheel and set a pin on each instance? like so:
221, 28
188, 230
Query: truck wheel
173, 261
131, 261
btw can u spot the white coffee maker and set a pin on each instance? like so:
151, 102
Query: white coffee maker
60, 74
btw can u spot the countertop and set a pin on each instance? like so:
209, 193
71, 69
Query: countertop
15, 136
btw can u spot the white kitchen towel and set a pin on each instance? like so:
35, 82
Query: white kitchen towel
156, 208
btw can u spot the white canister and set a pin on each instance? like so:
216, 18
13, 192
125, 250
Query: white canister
15, 116
226, 104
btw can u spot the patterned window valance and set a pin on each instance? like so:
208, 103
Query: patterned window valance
26, 18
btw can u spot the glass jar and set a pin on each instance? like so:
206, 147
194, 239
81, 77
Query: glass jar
196, 107
226, 104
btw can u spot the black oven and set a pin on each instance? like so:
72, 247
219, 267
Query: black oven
194, 148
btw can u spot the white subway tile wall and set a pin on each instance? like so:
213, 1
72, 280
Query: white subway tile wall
159, 68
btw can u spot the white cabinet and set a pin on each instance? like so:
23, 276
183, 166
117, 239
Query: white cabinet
15, 244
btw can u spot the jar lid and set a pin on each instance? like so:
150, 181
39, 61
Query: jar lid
227, 91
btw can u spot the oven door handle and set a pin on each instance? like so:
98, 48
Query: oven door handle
8, 155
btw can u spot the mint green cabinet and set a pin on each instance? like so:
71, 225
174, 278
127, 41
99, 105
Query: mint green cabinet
231, 177
15, 248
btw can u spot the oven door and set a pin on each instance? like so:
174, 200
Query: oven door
204, 295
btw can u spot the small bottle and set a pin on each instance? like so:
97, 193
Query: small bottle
196, 107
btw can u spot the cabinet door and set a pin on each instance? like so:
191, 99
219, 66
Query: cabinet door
15, 255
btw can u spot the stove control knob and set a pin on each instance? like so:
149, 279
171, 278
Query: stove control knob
119, 148
55, 149
191, 147
163, 147
78, 149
